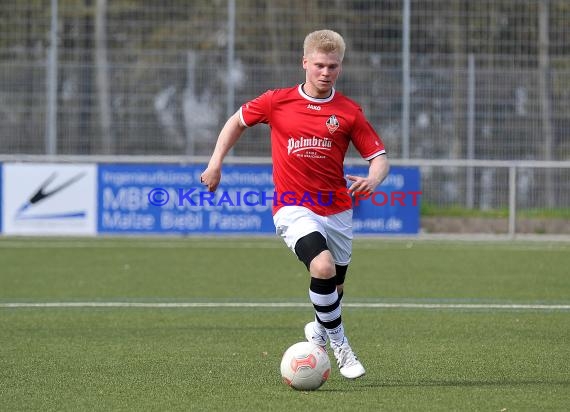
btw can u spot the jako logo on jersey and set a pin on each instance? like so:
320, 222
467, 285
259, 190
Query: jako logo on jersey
332, 124
313, 107
308, 143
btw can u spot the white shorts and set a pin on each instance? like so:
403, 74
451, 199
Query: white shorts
294, 222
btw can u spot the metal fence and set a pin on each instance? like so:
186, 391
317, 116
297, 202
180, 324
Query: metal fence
438, 78
511, 197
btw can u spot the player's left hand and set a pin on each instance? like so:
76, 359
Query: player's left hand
360, 184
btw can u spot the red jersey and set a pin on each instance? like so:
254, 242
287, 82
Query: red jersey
309, 140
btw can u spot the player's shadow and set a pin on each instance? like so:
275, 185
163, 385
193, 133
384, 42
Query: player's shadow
364, 384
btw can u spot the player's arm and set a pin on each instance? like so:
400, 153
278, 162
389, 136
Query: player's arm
227, 138
377, 171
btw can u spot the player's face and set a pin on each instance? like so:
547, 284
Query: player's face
322, 70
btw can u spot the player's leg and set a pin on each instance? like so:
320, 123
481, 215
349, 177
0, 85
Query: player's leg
315, 331
339, 240
313, 251
340, 277
323, 293
304, 233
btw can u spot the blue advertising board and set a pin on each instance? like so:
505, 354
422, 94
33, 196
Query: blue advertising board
393, 208
169, 199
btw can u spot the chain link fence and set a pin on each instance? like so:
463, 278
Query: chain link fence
488, 79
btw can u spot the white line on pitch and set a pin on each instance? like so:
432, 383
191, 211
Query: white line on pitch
379, 305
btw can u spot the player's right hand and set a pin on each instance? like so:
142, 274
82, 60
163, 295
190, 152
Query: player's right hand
211, 178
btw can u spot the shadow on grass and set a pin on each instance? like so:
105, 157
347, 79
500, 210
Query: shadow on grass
460, 384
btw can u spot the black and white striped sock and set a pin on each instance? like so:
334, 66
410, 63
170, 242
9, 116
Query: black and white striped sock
326, 302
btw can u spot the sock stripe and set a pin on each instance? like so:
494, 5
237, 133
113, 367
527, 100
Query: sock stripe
327, 308
329, 316
330, 325
323, 286
323, 300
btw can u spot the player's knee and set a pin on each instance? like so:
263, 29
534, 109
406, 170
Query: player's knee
322, 266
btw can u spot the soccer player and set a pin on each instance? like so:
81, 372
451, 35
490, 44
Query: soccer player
312, 125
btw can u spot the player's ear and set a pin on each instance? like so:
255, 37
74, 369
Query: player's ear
305, 63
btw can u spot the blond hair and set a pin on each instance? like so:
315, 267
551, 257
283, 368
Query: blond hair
325, 41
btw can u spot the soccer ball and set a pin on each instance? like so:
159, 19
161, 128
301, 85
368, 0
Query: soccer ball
305, 366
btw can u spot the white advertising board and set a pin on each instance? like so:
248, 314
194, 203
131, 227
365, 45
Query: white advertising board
49, 199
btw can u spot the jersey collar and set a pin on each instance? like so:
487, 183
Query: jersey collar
314, 99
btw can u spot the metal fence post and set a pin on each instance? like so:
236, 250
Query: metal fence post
512, 200
230, 97
470, 185
406, 80
51, 86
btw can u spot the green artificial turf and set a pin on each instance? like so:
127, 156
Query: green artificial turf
509, 352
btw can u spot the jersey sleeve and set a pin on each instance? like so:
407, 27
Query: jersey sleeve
257, 110
368, 143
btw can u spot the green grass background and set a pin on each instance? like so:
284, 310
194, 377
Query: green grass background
228, 358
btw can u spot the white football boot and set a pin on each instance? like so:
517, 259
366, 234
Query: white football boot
349, 365
316, 333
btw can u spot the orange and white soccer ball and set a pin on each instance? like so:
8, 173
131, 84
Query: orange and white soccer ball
305, 366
